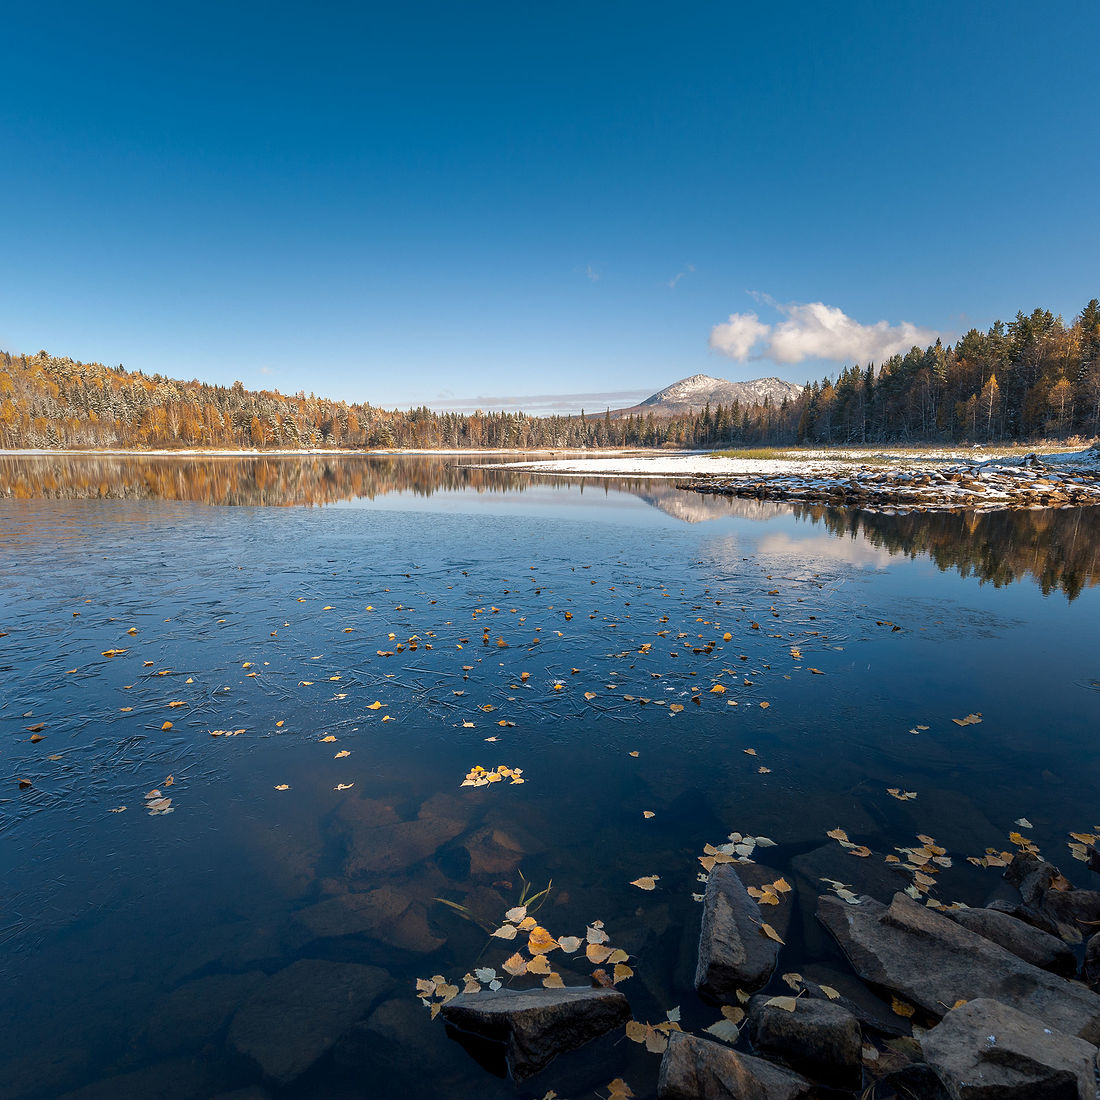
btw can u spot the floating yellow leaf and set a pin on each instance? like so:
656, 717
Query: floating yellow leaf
553, 981
621, 973
718, 689
590, 695
569, 944
516, 965
675, 708
771, 933
647, 882
540, 965
343, 786
969, 720
787, 1004
341, 754
750, 752
829, 992
327, 738
166, 726
540, 941
177, 703
648, 814
506, 932
597, 953
838, 834
376, 705
618, 1090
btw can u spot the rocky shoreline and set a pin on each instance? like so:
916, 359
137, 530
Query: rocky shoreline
1074, 481
986, 1003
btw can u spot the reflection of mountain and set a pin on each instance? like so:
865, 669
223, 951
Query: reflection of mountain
674, 502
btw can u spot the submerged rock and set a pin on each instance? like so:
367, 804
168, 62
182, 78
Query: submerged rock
986, 1049
1025, 941
819, 1039
536, 1025
933, 962
698, 1069
196, 1011
733, 951
295, 1016
385, 914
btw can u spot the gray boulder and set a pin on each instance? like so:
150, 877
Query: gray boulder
819, 1039
1092, 962
733, 951
1027, 913
296, 1016
697, 1069
933, 962
985, 1050
1030, 944
536, 1025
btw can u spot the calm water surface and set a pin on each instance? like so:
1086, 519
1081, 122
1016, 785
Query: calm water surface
552, 625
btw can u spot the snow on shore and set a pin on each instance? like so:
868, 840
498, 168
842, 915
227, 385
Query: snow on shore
887, 480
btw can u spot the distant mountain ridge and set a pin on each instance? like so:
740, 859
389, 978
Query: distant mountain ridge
693, 394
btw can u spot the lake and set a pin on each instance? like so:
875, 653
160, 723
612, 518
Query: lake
241, 697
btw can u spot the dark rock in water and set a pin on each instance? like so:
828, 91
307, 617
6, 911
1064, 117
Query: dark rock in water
933, 962
294, 1017
1092, 962
385, 914
987, 1049
1030, 944
757, 875
819, 1039
196, 1011
536, 1025
870, 1010
1043, 887
862, 876
1026, 913
697, 1069
733, 952
917, 1081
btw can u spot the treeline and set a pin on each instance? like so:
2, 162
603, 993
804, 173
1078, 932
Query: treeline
1033, 377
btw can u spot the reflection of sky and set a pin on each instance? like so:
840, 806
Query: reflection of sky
824, 548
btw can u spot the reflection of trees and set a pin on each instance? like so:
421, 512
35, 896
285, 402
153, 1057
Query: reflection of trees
1058, 548
274, 480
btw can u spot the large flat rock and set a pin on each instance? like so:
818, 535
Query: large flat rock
294, 1017
1031, 944
536, 1025
933, 962
733, 951
985, 1050
698, 1069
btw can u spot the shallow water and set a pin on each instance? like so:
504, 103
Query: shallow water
263, 595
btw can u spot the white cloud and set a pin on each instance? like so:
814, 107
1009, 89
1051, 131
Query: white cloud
736, 336
688, 269
813, 330
591, 273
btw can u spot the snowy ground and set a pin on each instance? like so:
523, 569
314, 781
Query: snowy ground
805, 463
884, 480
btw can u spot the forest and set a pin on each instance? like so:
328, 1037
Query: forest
1030, 378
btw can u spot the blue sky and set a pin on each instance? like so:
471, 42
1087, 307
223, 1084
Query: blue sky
434, 203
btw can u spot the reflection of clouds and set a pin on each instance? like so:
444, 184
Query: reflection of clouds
855, 551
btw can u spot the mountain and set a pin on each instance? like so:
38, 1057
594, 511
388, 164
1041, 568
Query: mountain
692, 394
